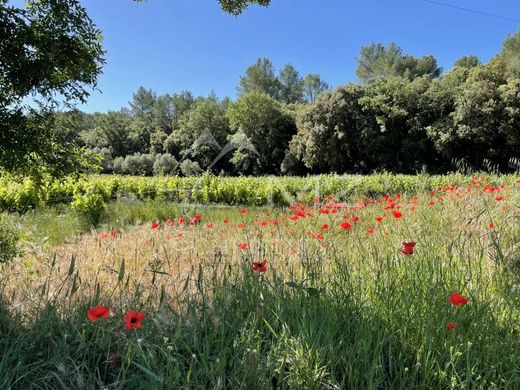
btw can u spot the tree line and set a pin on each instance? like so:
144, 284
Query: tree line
405, 114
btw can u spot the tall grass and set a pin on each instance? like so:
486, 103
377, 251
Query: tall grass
336, 308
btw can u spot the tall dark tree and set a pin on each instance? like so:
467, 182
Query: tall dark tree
291, 85
314, 86
377, 61
260, 77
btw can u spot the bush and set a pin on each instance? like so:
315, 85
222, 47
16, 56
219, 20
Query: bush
139, 164
90, 208
190, 168
165, 164
8, 242
118, 165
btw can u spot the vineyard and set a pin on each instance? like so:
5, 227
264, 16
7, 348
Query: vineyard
22, 194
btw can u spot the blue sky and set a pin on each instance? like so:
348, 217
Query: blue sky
171, 45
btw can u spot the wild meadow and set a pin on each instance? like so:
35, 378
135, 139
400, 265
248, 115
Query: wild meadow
403, 290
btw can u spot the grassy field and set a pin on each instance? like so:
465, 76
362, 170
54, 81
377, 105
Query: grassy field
327, 294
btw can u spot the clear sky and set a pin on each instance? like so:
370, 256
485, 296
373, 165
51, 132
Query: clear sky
171, 45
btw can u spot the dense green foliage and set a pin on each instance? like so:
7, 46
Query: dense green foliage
405, 118
22, 194
8, 241
48, 49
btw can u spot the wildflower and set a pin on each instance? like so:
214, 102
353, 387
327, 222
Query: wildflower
209, 225
226, 221
346, 226
491, 226
197, 217
355, 219
113, 233
370, 230
241, 225
431, 203
407, 248
243, 246
97, 312
155, 225
243, 211
169, 222
133, 319
451, 325
181, 221
379, 219
397, 214
260, 266
325, 226
500, 198
456, 299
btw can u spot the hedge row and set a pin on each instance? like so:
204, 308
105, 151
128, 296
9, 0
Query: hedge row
21, 194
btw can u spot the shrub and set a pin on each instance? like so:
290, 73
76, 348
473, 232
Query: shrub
118, 165
165, 164
90, 208
190, 168
8, 242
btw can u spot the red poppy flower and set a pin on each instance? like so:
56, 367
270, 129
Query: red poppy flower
209, 225
169, 222
451, 325
491, 226
346, 226
330, 197
407, 248
243, 211
181, 220
499, 198
397, 214
431, 203
243, 246
226, 221
197, 217
97, 312
355, 219
260, 266
133, 319
379, 219
264, 223
456, 299
113, 233
241, 225
370, 230
325, 226
155, 225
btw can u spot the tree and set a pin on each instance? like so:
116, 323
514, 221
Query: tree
467, 62
50, 50
203, 131
314, 86
332, 127
234, 7
511, 54
290, 84
377, 61
260, 77
268, 127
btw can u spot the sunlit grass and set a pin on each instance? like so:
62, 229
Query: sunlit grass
336, 308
